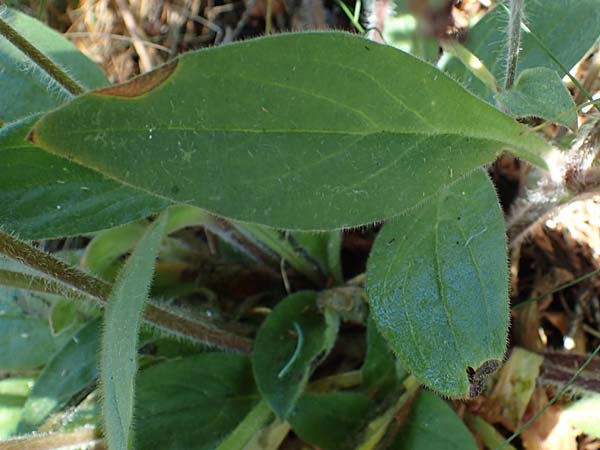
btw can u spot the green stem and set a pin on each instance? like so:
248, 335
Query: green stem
269, 17
514, 41
40, 59
154, 314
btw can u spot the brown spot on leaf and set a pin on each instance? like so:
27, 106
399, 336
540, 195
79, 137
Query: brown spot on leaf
142, 84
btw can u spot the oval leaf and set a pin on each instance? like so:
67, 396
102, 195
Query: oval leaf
287, 346
437, 285
285, 131
118, 361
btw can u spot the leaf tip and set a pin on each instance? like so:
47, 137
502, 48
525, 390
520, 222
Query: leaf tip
142, 84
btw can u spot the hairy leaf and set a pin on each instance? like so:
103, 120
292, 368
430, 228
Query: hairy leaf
281, 141
25, 88
72, 369
567, 27
433, 424
540, 93
288, 345
437, 285
193, 403
118, 361
44, 196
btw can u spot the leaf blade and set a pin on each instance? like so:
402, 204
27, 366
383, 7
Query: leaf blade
428, 293
300, 121
123, 316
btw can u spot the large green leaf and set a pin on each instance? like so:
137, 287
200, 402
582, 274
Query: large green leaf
118, 361
24, 87
319, 131
437, 284
70, 371
193, 403
331, 421
287, 348
433, 424
44, 196
567, 27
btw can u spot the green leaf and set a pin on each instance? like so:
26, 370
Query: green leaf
118, 361
26, 342
437, 285
69, 372
282, 142
44, 196
13, 394
541, 93
288, 345
26, 89
380, 370
433, 424
567, 27
331, 421
583, 414
193, 403
110, 245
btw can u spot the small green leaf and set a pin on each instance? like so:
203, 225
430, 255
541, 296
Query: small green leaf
193, 403
567, 27
118, 361
433, 424
43, 196
331, 421
26, 342
541, 93
287, 347
283, 142
70, 371
24, 88
437, 285
13, 394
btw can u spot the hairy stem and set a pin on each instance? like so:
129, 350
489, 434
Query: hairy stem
514, 41
101, 290
40, 59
